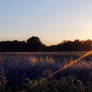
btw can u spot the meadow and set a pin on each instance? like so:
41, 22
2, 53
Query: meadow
19, 72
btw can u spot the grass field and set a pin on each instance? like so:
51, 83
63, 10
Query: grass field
20, 71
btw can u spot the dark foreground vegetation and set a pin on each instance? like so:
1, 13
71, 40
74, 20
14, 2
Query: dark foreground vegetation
64, 84
66, 81
20, 76
34, 44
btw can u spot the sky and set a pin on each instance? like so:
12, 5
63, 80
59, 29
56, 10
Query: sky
51, 20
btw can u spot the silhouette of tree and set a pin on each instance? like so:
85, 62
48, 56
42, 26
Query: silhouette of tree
34, 44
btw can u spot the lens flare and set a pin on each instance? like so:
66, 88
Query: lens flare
62, 68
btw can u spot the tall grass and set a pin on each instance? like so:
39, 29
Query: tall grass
19, 72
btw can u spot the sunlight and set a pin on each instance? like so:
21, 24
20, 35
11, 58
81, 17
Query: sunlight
62, 68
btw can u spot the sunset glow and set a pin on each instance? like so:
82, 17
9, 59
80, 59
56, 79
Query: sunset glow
51, 20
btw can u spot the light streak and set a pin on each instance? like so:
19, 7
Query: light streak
62, 68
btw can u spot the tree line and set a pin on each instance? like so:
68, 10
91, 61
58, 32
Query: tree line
34, 44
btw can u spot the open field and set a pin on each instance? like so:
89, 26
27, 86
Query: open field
20, 71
